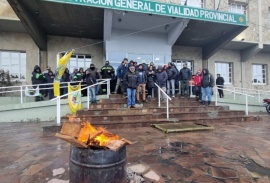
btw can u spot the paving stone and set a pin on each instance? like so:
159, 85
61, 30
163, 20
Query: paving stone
223, 173
138, 168
152, 175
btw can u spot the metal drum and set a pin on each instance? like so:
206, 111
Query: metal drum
97, 165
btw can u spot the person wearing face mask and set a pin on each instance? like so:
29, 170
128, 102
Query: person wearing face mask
108, 72
93, 71
142, 84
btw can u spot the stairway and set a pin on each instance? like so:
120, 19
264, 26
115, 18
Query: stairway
113, 113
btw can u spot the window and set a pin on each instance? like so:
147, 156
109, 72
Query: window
193, 3
15, 63
78, 61
225, 71
116, 58
259, 74
237, 8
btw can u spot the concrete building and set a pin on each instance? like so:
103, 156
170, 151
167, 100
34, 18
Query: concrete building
227, 37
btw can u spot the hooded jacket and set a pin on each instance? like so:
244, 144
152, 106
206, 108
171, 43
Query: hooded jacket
198, 79
207, 80
171, 72
220, 81
161, 77
95, 74
37, 77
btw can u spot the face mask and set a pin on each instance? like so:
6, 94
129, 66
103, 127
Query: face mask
106, 64
92, 68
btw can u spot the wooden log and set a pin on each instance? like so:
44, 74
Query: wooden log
114, 145
95, 134
71, 129
71, 140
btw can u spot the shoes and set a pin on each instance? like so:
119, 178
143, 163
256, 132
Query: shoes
149, 96
173, 96
129, 107
209, 103
132, 107
137, 102
144, 101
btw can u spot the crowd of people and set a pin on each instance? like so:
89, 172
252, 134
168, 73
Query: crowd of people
135, 81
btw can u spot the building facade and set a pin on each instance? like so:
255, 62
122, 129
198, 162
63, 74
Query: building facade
243, 58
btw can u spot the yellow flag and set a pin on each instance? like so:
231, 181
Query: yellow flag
74, 99
61, 67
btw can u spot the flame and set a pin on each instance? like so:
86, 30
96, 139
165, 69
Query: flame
101, 140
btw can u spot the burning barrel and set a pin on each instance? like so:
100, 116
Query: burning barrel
97, 165
96, 155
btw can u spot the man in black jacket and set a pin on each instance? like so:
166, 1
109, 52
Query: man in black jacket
184, 76
207, 84
220, 84
131, 79
37, 79
142, 84
172, 73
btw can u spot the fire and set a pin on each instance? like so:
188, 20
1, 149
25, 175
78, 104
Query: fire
95, 136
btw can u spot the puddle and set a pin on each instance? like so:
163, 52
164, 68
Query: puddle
254, 167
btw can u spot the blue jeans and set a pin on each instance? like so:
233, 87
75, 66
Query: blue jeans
171, 83
92, 94
131, 96
206, 92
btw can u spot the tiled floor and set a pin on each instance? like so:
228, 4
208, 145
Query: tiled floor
235, 152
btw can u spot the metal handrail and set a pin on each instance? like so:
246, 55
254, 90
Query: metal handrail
58, 104
234, 93
167, 99
22, 87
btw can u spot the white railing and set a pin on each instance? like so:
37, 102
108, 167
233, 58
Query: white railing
167, 99
21, 88
235, 92
250, 91
58, 104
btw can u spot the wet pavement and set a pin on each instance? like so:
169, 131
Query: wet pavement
232, 152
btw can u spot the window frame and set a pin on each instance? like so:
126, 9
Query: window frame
264, 74
78, 57
230, 77
21, 58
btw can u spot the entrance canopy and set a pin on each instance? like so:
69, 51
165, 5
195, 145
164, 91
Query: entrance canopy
182, 25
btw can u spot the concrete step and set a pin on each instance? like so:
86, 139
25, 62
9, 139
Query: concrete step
151, 109
150, 115
148, 122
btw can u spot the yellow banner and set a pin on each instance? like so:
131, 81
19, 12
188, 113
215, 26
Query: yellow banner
74, 99
61, 67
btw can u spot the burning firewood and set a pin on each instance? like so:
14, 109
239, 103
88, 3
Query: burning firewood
114, 145
71, 140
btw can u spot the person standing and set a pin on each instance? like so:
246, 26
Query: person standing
161, 79
46, 74
207, 85
64, 82
94, 73
107, 72
197, 85
37, 79
220, 84
151, 77
142, 84
50, 80
90, 78
172, 73
132, 81
119, 75
184, 76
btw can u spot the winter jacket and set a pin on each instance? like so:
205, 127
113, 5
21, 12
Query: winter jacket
171, 72
77, 76
37, 77
161, 78
151, 77
197, 80
220, 81
107, 71
185, 74
207, 80
121, 71
50, 78
65, 77
95, 74
142, 77
131, 80
90, 78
